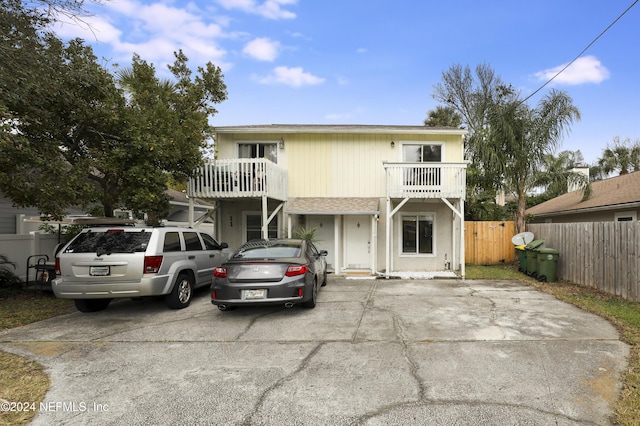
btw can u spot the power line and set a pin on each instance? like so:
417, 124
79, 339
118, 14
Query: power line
580, 54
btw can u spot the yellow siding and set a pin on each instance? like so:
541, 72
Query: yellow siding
341, 164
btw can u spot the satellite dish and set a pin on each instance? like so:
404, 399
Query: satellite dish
522, 239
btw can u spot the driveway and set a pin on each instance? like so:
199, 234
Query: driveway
373, 352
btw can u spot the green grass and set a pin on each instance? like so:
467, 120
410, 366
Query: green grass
622, 314
22, 379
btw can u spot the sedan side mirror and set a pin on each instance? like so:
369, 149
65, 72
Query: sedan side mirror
224, 246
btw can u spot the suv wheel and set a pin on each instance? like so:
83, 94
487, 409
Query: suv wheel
180, 296
91, 305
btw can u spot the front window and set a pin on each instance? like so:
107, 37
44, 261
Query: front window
254, 227
417, 234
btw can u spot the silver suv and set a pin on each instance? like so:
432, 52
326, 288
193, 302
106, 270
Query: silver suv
103, 263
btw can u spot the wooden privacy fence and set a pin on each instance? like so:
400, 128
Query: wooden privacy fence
602, 255
489, 243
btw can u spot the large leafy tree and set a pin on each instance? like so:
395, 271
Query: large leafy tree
73, 135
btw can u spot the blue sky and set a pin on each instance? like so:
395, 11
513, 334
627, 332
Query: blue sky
376, 61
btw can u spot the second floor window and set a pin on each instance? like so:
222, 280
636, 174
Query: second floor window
424, 176
258, 150
414, 153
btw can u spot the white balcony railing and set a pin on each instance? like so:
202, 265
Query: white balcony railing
240, 178
426, 180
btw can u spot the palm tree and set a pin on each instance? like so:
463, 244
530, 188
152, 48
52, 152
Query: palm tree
557, 175
519, 138
621, 156
445, 116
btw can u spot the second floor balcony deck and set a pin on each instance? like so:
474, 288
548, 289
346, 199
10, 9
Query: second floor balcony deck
240, 178
426, 180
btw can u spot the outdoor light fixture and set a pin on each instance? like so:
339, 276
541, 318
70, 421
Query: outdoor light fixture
281, 143
393, 144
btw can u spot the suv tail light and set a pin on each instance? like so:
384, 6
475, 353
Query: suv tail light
58, 273
220, 272
152, 264
295, 270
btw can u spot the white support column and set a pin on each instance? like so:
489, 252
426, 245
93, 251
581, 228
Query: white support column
374, 244
265, 218
337, 225
390, 214
462, 257
388, 240
460, 213
289, 226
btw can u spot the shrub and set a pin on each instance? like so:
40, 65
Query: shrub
10, 283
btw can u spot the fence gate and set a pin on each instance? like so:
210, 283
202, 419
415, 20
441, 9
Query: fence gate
489, 243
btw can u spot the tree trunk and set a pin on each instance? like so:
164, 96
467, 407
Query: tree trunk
521, 214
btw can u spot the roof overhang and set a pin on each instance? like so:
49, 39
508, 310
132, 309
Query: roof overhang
307, 128
333, 206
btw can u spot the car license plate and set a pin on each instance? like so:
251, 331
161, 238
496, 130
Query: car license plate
254, 294
99, 271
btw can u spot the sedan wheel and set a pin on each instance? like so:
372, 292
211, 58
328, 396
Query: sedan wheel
311, 303
180, 296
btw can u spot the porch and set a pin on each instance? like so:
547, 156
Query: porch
240, 178
425, 180
408, 182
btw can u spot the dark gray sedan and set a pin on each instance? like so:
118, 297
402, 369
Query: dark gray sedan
280, 271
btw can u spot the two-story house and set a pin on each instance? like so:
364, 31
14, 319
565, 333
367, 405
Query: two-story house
381, 198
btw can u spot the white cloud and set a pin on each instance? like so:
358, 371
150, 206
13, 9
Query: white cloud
294, 77
154, 31
584, 70
270, 9
262, 49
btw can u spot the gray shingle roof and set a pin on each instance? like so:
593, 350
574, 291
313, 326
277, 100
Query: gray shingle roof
613, 192
323, 205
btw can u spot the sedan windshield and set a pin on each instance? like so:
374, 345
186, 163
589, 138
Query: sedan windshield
263, 249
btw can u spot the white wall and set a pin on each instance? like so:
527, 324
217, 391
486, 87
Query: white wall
17, 248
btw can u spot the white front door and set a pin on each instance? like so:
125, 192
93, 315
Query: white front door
325, 232
357, 244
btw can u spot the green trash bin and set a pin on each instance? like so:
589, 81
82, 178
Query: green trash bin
521, 255
547, 263
532, 257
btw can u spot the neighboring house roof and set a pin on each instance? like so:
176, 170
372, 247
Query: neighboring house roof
323, 205
340, 128
179, 198
618, 192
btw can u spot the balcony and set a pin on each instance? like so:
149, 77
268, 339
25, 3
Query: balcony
240, 178
426, 180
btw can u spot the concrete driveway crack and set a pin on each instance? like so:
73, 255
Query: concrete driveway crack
248, 420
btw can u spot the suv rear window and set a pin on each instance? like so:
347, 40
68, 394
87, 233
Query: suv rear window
109, 242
